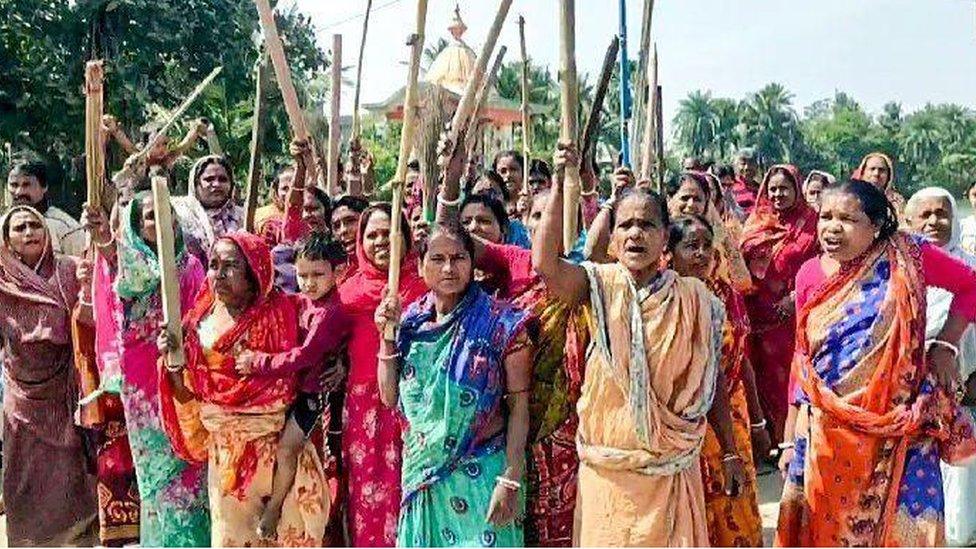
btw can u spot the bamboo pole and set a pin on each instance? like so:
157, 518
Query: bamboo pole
526, 117
356, 129
169, 282
588, 146
94, 137
659, 127
262, 81
460, 123
648, 146
625, 99
175, 115
335, 129
644, 92
569, 122
416, 43
481, 100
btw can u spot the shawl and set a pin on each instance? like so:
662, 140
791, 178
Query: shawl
645, 397
781, 240
476, 334
205, 226
51, 286
269, 325
138, 264
861, 358
735, 331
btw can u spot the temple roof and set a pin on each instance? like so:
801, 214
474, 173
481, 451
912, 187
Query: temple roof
454, 65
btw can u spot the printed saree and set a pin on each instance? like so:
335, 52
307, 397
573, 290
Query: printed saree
643, 409
452, 383
866, 466
235, 421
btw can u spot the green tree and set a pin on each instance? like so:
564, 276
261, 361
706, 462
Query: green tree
697, 123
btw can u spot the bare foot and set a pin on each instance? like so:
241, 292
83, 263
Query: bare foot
268, 525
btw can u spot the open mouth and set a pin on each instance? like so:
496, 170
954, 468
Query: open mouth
635, 249
831, 244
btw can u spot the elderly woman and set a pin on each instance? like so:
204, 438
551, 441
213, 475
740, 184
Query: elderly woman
932, 213
232, 421
877, 396
47, 480
463, 464
209, 210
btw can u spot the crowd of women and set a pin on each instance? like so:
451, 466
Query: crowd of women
508, 392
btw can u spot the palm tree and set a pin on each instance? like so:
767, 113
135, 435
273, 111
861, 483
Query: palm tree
770, 123
697, 123
727, 129
431, 52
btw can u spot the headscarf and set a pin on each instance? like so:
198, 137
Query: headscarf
896, 199
139, 271
813, 173
33, 284
201, 225
779, 237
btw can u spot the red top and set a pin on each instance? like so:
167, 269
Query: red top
509, 269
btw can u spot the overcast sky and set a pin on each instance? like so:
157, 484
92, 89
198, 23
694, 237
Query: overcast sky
910, 51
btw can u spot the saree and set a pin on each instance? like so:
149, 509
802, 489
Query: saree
371, 437
235, 420
46, 469
174, 511
958, 482
866, 466
774, 246
452, 384
733, 521
642, 412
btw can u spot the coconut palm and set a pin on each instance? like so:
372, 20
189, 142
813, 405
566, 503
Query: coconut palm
770, 123
697, 123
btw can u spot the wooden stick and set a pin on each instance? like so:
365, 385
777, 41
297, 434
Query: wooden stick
169, 281
416, 43
568, 123
659, 127
359, 76
175, 115
461, 122
481, 100
94, 138
526, 117
272, 41
262, 81
625, 99
335, 129
648, 146
588, 146
644, 93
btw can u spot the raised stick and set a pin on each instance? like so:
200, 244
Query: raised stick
648, 146
359, 76
481, 100
416, 43
335, 130
568, 122
659, 141
262, 81
593, 120
175, 115
94, 138
169, 281
625, 99
643, 94
526, 117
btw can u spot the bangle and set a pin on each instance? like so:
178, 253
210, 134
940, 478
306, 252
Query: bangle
102, 246
731, 457
84, 303
449, 203
786, 445
942, 343
513, 485
387, 358
759, 424
594, 192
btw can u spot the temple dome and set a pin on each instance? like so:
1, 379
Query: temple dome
455, 64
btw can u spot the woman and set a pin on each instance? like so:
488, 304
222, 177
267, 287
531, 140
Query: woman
491, 185
778, 237
232, 421
48, 485
209, 210
814, 185
932, 213
733, 521
640, 430
174, 509
371, 442
878, 169
968, 223
878, 408
461, 374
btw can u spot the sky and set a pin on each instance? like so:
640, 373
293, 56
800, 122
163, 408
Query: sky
909, 51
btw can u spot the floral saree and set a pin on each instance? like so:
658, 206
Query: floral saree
452, 383
866, 466
643, 409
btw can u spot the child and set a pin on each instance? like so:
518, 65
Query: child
324, 330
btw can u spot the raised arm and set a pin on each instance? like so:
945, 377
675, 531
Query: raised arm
598, 237
565, 280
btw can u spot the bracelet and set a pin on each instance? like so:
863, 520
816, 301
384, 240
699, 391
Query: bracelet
944, 344
759, 424
110, 243
513, 393
786, 445
84, 303
513, 485
449, 203
387, 358
731, 457
594, 192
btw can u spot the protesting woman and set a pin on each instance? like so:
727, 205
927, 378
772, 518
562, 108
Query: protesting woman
779, 236
651, 376
214, 414
371, 440
877, 400
48, 485
461, 374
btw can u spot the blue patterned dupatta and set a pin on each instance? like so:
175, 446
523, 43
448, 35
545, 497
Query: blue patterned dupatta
452, 384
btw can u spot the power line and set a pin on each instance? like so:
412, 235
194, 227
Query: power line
358, 16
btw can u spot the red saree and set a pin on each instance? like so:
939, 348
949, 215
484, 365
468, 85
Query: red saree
774, 246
